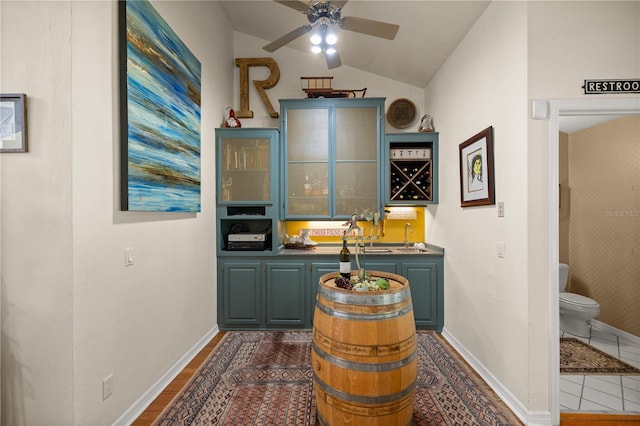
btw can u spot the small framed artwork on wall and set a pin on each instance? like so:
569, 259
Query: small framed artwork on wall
476, 170
13, 122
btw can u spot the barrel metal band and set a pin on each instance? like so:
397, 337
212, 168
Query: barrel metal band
362, 298
361, 399
363, 366
364, 316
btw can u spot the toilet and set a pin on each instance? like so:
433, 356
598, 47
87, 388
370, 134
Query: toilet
576, 311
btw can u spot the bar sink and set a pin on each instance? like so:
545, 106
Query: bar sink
412, 250
376, 250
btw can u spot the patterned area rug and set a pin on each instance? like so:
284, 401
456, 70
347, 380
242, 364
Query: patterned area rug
577, 357
265, 378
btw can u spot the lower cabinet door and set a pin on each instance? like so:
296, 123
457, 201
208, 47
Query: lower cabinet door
241, 294
423, 281
286, 294
318, 270
390, 267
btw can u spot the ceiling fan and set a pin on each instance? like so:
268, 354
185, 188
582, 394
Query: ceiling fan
322, 15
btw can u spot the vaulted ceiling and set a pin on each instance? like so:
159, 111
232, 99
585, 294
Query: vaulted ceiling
429, 32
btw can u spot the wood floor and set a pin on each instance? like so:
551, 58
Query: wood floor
158, 405
579, 419
155, 408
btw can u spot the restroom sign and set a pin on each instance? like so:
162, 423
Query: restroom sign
597, 87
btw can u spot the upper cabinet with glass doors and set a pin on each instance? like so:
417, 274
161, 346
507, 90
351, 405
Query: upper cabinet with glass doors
330, 157
245, 165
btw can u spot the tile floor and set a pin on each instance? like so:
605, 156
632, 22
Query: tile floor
611, 394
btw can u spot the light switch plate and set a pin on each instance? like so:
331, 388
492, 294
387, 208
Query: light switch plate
128, 256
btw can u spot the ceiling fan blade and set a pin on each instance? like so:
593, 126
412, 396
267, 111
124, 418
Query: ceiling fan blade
300, 6
289, 37
333, 60
367, 26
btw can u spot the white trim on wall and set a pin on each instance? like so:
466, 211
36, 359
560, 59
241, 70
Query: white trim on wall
141, 404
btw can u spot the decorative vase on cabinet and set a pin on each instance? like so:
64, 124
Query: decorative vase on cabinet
330, 157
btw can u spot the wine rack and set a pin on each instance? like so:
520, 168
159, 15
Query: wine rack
411, 168
411, 180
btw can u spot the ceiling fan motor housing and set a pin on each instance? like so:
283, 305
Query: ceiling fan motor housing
324, 13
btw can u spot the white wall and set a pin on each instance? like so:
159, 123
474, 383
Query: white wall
499, 309
36, 251
568, 42
294, 64
482, 84
72, 313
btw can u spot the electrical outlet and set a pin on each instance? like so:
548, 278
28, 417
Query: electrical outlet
107, 387
501, 209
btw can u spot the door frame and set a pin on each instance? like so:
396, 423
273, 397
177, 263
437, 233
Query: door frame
560, 108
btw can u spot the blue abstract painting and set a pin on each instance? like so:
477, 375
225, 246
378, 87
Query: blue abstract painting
159, 113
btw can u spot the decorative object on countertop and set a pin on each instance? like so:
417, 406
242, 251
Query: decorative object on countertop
13, 122
353, 224
401, 113
476, 170
231, 121
295, 241
345, 258
296, 246
426, 124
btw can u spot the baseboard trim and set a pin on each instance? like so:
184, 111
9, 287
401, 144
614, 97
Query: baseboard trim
141, 404
530, 418
606, 328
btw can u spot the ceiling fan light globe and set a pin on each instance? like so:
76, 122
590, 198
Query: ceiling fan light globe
331, 39
330, 50
316, 39
316, 49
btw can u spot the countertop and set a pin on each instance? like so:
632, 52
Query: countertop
376, 250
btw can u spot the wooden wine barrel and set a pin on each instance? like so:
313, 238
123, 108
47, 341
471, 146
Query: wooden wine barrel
363, 354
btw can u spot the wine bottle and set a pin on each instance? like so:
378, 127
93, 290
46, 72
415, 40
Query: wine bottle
345, 260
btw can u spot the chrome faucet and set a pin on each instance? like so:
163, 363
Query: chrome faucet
406, 238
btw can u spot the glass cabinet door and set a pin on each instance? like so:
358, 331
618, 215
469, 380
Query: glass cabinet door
356, 183
307, 162
332, 150
245, 169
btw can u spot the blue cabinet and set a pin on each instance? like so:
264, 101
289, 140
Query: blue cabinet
286, 294
330, 156
262, 294
410, 169
279, 292
427, 293
240, 294
247, 192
